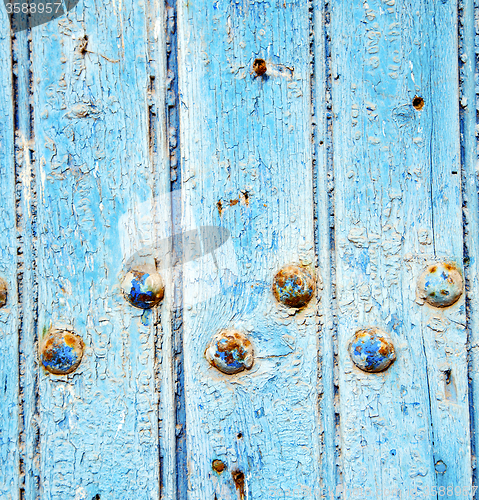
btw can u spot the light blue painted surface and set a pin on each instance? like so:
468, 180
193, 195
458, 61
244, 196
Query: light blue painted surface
386, 203
100, 424
398, 207
9, 408
246, 165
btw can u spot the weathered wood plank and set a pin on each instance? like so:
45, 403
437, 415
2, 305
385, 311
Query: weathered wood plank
27, 284
103, 183
9, 410
247, 167
469, 55
398, 207
324, 218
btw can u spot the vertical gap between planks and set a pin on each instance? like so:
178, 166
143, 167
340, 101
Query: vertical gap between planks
323, 186
27, 282
25, 201
173, 135
467, 12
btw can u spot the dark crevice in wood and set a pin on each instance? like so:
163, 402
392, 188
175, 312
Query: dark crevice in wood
173, 137
320, 25
467, 10
154, 56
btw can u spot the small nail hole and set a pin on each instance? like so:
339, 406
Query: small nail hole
418, 102
239, 436
259, 67
96, 497
441, 467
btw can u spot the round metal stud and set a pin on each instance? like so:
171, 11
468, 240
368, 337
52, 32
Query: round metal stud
441, 284
230, 352
3, 292
372, 350
143, 287
293, 286
61, 351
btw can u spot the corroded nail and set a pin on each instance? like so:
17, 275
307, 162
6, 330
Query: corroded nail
61, 351
143, 287
3, 292
418, 102
218, 466
441, 284
293, 286
259, 67
372, 350
230, 352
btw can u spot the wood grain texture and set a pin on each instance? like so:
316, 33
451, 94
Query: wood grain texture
26, 252
9, 407
322, 161
398, 206
469, 55
247, 167
103, 183
324, 229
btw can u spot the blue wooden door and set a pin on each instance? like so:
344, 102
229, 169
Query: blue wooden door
239, 252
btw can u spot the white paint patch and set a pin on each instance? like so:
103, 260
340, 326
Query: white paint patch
412, 72
122, 422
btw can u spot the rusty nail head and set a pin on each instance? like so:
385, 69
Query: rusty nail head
293, 286
441, 284
230, 351
218, 466
143, 287
372, 350
3, 292
61, 351
259, 67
